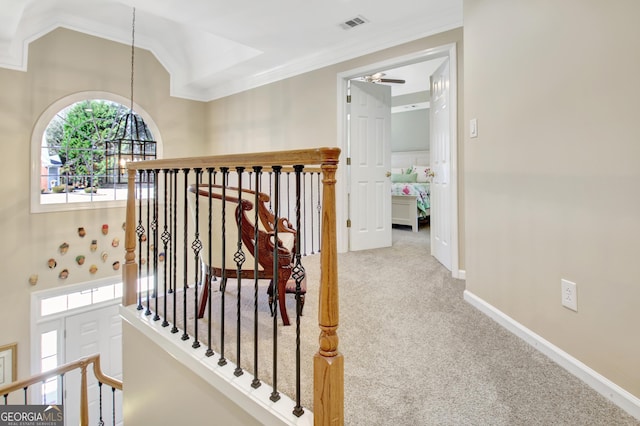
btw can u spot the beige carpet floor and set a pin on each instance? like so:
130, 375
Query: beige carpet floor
415, 352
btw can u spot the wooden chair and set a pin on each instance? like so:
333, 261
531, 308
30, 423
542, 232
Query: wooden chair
234, 208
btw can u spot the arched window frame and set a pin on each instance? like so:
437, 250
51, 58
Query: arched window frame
36, 150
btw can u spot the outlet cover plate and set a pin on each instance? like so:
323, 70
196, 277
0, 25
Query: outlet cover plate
569, 295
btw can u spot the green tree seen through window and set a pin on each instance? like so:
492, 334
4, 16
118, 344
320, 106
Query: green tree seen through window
85, 149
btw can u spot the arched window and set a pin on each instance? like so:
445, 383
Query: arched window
82, 151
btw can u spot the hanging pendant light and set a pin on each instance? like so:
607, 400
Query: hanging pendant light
131, 139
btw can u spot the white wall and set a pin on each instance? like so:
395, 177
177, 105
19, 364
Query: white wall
552, 179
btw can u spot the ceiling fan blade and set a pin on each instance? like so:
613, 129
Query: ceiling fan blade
391, 80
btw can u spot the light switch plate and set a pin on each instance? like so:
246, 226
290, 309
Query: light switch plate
473, 128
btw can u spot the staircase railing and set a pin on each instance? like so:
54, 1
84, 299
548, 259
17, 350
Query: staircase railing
164, 253
82, 364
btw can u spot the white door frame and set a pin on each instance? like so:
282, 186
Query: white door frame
343, 178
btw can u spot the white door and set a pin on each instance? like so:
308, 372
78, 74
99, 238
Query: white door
370, 153
96, 331
441, 165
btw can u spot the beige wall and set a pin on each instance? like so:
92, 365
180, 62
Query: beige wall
155, 379
60, 64
552, 179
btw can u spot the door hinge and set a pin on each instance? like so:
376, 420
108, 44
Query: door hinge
348, 161
348, 99
348, 223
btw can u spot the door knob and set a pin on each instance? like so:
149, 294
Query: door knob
388, 174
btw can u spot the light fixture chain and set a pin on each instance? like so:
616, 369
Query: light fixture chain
133, 42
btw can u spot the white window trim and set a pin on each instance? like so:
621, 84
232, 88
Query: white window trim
36, 150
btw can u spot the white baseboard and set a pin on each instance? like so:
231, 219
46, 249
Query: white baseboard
462, 274
598, 382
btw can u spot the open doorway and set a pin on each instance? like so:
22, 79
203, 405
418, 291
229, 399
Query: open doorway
415, 71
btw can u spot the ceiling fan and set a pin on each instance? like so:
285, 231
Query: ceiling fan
378, 78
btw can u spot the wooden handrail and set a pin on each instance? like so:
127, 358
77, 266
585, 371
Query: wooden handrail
312, 157
81, 363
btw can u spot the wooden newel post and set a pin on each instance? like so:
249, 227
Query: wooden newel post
328, 363
130, 268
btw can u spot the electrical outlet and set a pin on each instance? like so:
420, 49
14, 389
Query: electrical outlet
569, 295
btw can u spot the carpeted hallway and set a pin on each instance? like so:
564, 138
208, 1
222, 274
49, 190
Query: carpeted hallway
417, 354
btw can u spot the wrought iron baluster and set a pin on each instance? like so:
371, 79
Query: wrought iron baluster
270, 193
208, 266
299, 275
113, 406
239, 257
196, 246
275, 395
25, 395
223, 280
100, 421
288, 194
185, 286
166, 237
62, 387
154, 227
174, 249
255, 383
304, 209
146, 239
168, 257
140, 233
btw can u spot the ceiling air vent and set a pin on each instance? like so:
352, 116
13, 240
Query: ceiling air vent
353, 22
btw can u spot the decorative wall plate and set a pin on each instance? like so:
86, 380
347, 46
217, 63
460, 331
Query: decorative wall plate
104, 256
52, 263
63, 248
93, 269
33, 279
82, 232
63, 274
161, 256
105, 229
115, 242
94, 245
116, 265
80, 260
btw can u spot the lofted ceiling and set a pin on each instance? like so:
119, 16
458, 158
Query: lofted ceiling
214, 48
